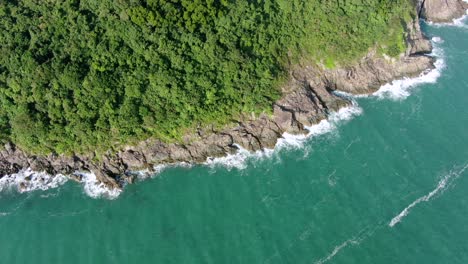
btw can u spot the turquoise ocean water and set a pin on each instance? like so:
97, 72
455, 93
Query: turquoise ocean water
389, 185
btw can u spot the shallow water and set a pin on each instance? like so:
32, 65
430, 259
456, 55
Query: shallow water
386, 186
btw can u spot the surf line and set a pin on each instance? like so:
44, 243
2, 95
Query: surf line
441, 186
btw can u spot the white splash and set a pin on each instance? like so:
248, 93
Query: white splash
287, 141
335, 118
239, 159
456, 22
400, 89
441, 186
95, 188
460, 22
437, 40
28, 180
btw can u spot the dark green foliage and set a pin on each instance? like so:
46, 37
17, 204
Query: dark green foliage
80, 75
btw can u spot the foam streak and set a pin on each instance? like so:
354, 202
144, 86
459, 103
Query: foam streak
336, 250
441, 186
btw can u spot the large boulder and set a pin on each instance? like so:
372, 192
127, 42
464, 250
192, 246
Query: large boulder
441, 11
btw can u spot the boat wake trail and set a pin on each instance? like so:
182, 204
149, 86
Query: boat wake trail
441, 186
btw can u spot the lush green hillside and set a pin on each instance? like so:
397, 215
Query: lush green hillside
80, 75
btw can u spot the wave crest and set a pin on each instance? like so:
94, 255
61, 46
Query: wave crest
28, 180
240, 159
400, 89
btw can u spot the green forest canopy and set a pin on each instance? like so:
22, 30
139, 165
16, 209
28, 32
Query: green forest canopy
76, 76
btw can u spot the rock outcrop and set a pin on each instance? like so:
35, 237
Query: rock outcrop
308, 98
442, 11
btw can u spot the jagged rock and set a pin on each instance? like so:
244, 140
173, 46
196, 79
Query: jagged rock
105, 177
155, 152
417, 43
285, 119
7, 168
179, 153
307, 99
133, 159
305, 109
40, 164
130, 179
74, 177
372, 72
440, 11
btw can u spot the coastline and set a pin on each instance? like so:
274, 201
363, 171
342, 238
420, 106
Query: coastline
311, 98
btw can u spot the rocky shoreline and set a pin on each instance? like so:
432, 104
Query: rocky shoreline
308, 98
442, 11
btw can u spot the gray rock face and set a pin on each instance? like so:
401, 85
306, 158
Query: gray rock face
308, 98
417, 42
440, 11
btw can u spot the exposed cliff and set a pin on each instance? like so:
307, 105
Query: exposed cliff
441, 11
308, 98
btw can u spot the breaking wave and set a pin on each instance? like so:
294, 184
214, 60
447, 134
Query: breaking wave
400, 89
457, 22
240, 159
441, 186
95, 189
29, 180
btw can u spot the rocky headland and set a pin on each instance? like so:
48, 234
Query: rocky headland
308, 98
442, 11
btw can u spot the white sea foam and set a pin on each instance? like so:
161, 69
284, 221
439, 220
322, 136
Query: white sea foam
400, 89
460, 22
240, 158
441, 186
28, 180
457, 22
157, 169
437, 40
95, 188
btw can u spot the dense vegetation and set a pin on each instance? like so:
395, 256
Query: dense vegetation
80, 75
